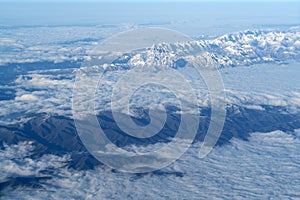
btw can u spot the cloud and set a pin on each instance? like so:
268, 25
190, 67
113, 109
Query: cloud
51, 91
263, 167
57, 44
16, 161
26, 97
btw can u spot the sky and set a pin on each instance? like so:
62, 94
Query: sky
21, 12
138, 1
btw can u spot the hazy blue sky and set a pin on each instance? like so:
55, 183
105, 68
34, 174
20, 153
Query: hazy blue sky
139, 1
196, 14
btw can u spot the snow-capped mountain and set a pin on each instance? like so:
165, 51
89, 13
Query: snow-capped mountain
235, 49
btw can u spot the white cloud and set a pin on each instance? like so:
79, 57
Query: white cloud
56, 44
51, 90
264, 167
26, 97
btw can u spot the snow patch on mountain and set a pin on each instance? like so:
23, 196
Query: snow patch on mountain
235, 49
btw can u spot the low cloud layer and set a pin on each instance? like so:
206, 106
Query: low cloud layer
236, 170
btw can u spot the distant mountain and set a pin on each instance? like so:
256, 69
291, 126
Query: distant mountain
230, 50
